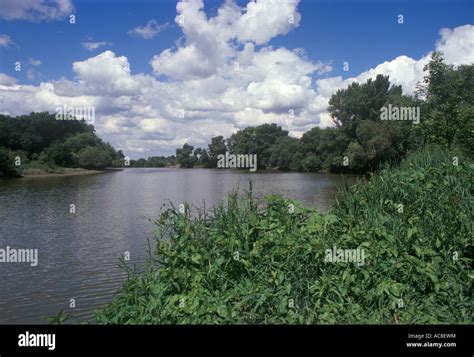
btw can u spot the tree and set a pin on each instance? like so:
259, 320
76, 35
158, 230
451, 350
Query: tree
139, 163
202, 157
59, 154
35, 132
7, 164
92, 157
256, 140
56, 142
185, 157
119, 159
361, 136
312, 163
361, 102
449, 103
215, 148
286, 154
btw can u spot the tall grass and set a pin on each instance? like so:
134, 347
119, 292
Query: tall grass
246, 263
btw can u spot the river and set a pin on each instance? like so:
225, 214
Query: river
78, 253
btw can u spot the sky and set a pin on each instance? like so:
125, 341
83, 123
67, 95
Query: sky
162, 73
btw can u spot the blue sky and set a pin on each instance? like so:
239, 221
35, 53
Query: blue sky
156, 83
364, 33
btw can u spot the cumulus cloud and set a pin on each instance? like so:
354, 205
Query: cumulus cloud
150, 30
263, 20
35, 10
402, 70
105, 74
6, 80
220, 79
208, 41
5, 41
221, 75
457, 44
91, 45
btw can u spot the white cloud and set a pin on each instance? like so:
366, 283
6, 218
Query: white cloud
91, 46
35, 10
34, 62
402, 70
208, 41
263, 20
141, 113
5, 41
150, 30
106, 74
186, 63
457, 44
7, 80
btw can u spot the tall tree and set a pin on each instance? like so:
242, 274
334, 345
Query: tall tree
215, 148
449, 103
185, 157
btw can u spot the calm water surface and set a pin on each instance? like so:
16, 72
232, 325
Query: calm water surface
78, 254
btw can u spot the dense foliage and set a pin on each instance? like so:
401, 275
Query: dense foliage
445, 99
250, 263
43, 142
360, 142
7, 163
449, 94
154, 161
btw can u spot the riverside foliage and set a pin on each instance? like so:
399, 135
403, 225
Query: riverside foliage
362, 139
250, 262
38, 142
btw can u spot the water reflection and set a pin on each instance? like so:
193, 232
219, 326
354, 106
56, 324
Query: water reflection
79, 253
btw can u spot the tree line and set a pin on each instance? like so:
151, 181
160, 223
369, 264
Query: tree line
42, 141
360, 141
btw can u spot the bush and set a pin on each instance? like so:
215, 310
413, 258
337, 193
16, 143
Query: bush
7, 164
38, 168
93, 158
246, 264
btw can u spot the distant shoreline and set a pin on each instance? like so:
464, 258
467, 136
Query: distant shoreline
62, 172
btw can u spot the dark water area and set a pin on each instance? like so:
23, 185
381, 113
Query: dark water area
78, 253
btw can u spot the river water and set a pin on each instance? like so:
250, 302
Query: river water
78, 253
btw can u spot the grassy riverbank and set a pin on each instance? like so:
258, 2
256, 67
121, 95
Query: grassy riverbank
249, 263
58, 172
35, 169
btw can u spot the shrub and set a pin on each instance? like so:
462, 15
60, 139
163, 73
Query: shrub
246, 263
93, 158
7, 164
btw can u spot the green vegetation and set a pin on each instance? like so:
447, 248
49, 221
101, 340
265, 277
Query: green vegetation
7, 163
243, 261
449, 101
445, 99
44, 144
249, 262
359, 143
185, 156
154, 161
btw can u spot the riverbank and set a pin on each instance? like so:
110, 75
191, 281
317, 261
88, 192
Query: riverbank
394, 249
59, 172
114, 213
